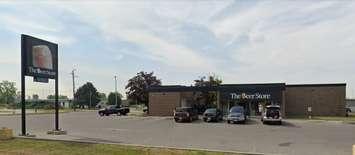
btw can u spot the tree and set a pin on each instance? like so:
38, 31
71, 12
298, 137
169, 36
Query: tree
102, 97
112, 99
209, 97
213, 80
137, 86
7, 92
85, 94
35, 96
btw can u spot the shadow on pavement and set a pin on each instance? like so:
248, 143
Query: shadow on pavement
284, 124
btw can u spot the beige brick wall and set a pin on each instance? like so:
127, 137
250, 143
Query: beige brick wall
163, 103
324, 100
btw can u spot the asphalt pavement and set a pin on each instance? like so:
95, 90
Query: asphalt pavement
293, 137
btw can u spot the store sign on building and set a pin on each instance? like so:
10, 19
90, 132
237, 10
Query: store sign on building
235, 96
40, 58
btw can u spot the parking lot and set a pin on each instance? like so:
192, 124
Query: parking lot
293, 137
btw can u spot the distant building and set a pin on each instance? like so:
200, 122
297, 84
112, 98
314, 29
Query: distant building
64, 103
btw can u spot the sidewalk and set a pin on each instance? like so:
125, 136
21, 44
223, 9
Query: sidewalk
7, 112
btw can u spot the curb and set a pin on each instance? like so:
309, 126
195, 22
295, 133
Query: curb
145, 146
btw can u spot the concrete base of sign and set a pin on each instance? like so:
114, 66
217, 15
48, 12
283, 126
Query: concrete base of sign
56, 132
5, 133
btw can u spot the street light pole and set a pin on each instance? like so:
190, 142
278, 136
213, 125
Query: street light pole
116, 89
73, 78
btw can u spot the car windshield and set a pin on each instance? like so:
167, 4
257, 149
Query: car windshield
183, 109
273, 111
237, 110
111, 107
273, 108
211, 111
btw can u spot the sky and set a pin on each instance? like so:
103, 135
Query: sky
295, 42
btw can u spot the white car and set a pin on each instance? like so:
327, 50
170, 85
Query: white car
272, 114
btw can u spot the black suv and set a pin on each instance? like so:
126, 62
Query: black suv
212, 114
183, 114
113, 109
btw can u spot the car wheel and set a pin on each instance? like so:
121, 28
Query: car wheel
280, 122
191, 119
228, 122
176, 120
243, 122
101, 114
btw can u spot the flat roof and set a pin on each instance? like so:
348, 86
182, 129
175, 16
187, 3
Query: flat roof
222, 87
316, 85
228, 87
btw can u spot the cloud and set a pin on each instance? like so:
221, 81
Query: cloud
151, 27
300, 43
36, 22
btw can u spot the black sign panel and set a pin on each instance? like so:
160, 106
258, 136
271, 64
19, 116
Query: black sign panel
40, 57
39, 79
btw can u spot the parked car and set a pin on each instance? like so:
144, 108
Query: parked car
212, 114
113, 109
347, 111
145, 109
272, 114
182, 114
236, 115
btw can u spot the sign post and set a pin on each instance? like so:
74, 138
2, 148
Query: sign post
39, 59
23, 89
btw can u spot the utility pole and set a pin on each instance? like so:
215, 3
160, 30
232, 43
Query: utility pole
73, 77
116, 89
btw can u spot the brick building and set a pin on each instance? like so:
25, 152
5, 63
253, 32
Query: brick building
294, 100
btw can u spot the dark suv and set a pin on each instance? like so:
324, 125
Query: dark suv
212, 114
113, 109
183, 114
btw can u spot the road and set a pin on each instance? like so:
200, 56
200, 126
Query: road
294, 137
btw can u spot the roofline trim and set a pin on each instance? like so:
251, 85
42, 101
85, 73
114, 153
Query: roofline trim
316, 85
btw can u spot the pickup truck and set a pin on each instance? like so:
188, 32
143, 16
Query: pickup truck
113, 109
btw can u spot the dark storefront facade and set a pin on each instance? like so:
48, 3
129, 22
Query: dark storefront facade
251, 96
294, 100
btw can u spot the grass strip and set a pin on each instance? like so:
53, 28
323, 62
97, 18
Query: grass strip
20, 146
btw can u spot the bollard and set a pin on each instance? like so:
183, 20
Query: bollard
6, 134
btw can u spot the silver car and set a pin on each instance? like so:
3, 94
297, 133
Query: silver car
236, 115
